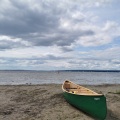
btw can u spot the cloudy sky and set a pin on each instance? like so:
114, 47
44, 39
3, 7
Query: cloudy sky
59, 34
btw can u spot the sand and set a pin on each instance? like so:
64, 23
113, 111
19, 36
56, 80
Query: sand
46, 102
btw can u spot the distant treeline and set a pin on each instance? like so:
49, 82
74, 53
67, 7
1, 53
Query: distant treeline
64, 70
90, 70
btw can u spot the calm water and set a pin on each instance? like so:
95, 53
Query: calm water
37, 77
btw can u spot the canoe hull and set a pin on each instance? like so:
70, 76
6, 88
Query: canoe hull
93, 105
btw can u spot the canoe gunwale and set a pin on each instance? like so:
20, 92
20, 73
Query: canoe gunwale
64, 90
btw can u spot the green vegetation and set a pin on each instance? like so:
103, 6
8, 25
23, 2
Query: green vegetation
117, 92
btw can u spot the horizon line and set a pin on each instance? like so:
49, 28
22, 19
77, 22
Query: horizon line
81, 70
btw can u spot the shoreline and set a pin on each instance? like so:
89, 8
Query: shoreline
30, 84
46, 102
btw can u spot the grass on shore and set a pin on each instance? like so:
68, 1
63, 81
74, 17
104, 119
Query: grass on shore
117, 92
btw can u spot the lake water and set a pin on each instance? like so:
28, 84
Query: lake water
38, 77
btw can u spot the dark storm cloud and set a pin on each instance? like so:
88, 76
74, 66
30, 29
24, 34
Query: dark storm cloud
56, 37
7, 44
22, 19
66, 49
37, 23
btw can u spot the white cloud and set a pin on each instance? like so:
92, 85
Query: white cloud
103, 35
110, 53
96, 40
110, 25
45, 34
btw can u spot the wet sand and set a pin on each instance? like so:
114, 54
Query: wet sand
46, 102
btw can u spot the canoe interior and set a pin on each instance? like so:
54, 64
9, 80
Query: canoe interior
70, 87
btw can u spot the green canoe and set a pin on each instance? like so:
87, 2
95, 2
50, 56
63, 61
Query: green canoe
85, 99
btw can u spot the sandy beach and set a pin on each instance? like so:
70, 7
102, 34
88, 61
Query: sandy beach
46, 102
